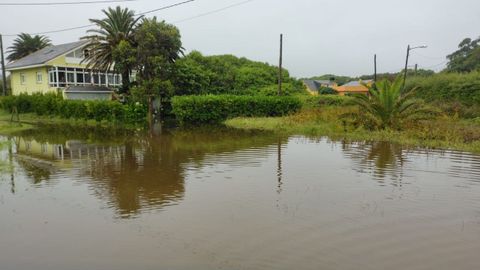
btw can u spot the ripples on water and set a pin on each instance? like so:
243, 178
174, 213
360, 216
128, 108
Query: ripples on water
225, 199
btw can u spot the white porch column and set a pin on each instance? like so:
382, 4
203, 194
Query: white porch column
58, 79
75, 76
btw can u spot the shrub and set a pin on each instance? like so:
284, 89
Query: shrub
288, 89
327, 91
55, 105
218, 108
326, 100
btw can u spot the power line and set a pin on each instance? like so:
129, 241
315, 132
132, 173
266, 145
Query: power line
166, 7
64, 3
213, 11
429, 57
434, 66
90, 25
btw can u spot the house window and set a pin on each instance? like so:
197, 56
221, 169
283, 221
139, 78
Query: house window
88, 78
22, 78
80, 75
39, 77
70, 78
79, 54
110, 79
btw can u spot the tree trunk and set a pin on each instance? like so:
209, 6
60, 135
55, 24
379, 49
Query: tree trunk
125, 82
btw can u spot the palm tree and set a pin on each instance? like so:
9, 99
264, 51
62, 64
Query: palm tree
118, 27
26, 44
387, 106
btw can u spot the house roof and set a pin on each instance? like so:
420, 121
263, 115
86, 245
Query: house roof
357, 83
44, 55
315, 85
311, 84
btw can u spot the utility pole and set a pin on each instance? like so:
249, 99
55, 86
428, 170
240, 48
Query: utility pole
280, 66
4, 75
406, 62
406, 67
375, 68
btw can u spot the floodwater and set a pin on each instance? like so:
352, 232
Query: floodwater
224, 199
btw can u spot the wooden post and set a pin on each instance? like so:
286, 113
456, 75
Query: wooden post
4, 75
280, 66
416, 69
375, 68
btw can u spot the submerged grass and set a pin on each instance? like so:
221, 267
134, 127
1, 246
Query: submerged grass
444, 132
31, 120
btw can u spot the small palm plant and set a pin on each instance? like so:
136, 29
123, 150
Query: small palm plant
388, 106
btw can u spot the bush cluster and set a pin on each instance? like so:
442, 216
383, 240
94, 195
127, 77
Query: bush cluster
55, 105
453, 93
448, 87
217, 108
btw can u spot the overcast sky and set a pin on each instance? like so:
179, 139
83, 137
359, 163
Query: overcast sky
321, 36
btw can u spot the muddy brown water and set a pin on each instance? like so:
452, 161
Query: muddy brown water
218, 198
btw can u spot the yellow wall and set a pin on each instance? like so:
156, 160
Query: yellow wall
61, 61
30, 85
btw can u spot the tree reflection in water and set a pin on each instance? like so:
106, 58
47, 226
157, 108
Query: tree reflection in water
133, 172
384, 160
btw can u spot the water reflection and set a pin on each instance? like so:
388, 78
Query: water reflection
226, 199
382, 159
393, 162
135, 171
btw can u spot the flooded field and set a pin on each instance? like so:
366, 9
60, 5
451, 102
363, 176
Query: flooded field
227, 199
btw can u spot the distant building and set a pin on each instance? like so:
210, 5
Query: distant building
60, 67
314, 86
354, 87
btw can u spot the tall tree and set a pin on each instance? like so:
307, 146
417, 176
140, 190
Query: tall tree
466, 58
26, 44
159, 46
117, 29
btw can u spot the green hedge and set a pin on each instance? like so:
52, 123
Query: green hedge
217, 108
55, 105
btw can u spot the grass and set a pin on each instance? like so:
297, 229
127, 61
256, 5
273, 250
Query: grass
444, 132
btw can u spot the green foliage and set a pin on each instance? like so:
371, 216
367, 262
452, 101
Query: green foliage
449, 87
288, 89
217, 108
26, 44
387, 107
327, 91
55, 105
224, 74
466, 58
159, 45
